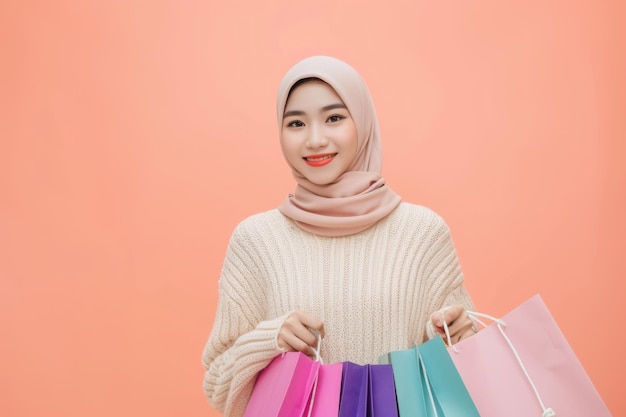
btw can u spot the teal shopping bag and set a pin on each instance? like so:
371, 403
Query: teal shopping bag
427, 382
445, 392
408, 378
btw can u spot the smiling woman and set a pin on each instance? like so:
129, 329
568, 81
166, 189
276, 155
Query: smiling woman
129, 130
342, 257
318, 131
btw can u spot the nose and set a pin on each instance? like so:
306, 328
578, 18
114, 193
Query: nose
316, 138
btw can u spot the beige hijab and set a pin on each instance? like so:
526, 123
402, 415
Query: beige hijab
359, 197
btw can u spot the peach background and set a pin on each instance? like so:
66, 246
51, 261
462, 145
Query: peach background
134, 135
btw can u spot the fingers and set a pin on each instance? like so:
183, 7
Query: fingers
311, 322
451, 315
299, 332
470, 332
460, 325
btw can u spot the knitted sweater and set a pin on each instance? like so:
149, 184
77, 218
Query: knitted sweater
374, 291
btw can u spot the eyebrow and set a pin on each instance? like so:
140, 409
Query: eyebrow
325, 108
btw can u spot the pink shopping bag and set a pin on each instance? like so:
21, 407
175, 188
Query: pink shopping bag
283, 388
522, 366
327, 391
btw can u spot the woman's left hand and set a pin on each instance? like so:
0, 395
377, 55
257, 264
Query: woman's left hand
459, 323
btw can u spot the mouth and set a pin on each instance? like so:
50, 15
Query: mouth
319, 160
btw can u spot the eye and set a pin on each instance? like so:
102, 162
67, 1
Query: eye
295, 123
335, 118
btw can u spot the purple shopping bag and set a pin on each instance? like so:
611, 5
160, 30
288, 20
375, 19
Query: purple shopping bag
354, 386
283, 388
327, 391
368, 391
382, 392
522, 366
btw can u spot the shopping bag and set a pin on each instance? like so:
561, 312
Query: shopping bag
327, 391
522, 366
382, 392
447, 395
427, 383
408, 381
283, 388
355, 380
367, 391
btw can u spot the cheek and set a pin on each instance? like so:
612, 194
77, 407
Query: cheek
350, 138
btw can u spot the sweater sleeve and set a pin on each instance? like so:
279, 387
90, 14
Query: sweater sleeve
443, 272
242, 341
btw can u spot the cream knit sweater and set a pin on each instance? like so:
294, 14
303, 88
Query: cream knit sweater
374, 291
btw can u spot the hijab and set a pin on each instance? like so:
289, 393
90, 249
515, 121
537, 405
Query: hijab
359, 197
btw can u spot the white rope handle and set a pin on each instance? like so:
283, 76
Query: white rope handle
474, 316
318, 349
318, 358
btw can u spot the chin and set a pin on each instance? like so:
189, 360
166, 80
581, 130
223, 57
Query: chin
320, 176
323, 181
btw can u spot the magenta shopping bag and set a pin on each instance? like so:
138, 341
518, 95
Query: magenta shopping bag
522, 366
327, 391
283, 388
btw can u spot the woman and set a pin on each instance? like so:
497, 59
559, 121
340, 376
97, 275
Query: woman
342, 256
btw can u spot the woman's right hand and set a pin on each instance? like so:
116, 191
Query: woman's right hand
297, 333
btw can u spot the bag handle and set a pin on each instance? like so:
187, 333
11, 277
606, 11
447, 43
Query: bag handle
474, 316
318, 358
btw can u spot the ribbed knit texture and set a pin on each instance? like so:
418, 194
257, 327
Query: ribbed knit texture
374, 291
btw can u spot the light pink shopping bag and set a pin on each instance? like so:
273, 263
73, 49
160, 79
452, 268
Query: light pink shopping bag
524, 367
283, 388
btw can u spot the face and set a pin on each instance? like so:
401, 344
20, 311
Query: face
318, 135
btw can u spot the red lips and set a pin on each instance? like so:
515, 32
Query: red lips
320, 159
